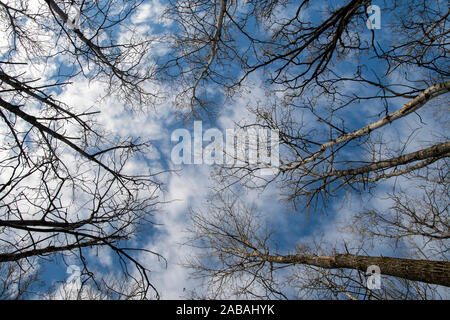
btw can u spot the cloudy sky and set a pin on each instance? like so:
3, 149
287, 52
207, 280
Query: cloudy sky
187, 187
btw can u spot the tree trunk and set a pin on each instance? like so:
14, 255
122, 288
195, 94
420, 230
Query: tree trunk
435, 272
437, 151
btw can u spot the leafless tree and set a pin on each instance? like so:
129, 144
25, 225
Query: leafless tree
16, 282
308, 59
110, 287
239, 257
65, 186
339, 95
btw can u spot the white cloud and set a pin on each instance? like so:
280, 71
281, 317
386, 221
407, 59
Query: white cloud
185, 190
151, 12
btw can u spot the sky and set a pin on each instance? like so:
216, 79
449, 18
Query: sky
188, 187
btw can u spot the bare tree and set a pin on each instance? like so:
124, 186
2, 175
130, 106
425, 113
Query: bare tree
65, 186
304, 61
339, 95
307, 65
18, 283
110, 287
239, 257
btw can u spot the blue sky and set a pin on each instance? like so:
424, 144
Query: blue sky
188, 186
